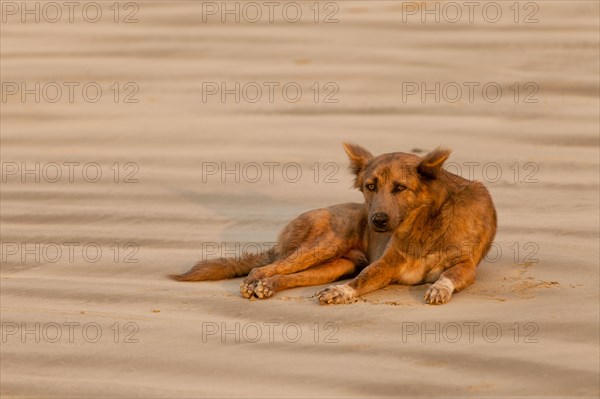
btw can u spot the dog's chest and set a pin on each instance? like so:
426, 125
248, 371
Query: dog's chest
377, 246
419, 270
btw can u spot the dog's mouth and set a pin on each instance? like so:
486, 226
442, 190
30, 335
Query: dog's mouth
380, 229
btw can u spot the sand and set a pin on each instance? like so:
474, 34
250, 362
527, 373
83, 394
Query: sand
82, 257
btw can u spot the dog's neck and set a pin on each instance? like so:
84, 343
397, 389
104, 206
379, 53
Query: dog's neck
416, 228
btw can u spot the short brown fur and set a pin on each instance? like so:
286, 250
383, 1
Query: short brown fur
419, 224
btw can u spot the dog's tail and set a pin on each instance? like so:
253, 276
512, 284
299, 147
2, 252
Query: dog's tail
223, 268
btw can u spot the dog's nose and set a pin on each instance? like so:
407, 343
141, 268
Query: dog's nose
380, 219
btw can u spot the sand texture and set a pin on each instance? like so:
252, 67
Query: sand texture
88, 255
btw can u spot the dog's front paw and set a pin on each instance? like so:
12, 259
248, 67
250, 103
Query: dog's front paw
337, 294
265, 288
440, 292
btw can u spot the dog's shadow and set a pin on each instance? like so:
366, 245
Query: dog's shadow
397, 294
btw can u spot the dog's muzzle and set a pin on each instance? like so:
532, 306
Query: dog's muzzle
380, 221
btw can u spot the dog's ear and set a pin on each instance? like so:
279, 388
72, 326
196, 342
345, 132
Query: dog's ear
432, 163
359, 157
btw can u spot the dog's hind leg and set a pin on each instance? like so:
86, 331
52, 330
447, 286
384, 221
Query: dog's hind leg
453, 279
301, 259
328, 272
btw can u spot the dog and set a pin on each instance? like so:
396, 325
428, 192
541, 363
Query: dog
419, 224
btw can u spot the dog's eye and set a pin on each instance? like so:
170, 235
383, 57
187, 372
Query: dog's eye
371, 187
398, 188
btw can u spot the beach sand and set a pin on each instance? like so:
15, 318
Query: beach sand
86, 254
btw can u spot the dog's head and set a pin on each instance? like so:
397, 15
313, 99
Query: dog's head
395, 185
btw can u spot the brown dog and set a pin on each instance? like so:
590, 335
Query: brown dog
419, 224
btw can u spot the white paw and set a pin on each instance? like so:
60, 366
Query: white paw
337, 294
439, 292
